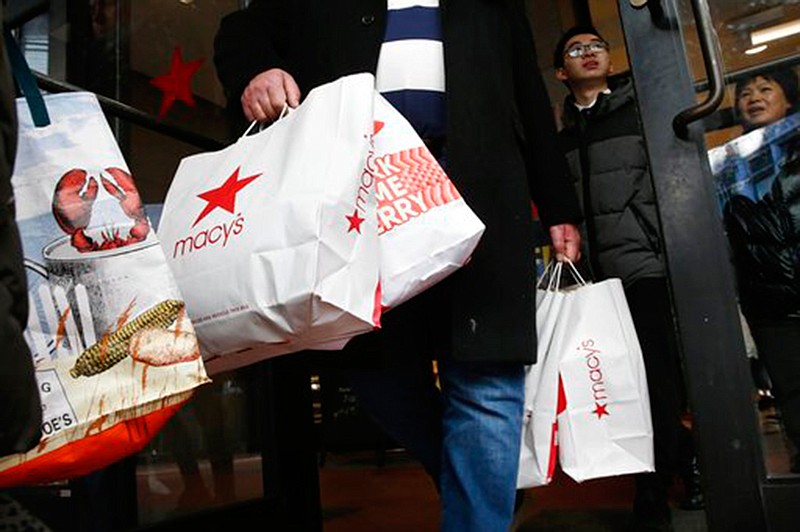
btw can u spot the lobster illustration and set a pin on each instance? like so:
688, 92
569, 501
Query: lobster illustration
74, 199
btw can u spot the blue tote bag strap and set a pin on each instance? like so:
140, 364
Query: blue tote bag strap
25, 81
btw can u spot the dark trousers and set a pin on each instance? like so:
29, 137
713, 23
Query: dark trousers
650, 307
778, 343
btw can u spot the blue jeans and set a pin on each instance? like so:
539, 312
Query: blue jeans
467, 436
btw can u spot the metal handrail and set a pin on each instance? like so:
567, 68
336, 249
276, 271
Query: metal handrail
109, 105
713, 63
133, 115
744, 73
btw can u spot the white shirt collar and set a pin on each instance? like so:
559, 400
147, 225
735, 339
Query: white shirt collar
590, 105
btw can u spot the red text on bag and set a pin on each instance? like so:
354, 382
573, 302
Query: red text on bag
593, 363
409, 183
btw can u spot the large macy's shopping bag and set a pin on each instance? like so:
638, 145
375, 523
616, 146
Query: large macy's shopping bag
273, 240
426, 229
114, 353
605, 426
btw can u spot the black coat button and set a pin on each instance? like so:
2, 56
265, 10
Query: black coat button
366, 20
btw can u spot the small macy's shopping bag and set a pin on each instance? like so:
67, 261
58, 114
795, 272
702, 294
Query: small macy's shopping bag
114, 353
605, 427
543, 402
426, 229
273, 240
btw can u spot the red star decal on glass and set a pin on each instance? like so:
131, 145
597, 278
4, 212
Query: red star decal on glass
355, 222
224, 197
600, 410
177, 83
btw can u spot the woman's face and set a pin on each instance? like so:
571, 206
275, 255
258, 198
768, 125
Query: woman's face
762, 102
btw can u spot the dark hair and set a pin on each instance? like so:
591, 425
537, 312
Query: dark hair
558, 54
785, 77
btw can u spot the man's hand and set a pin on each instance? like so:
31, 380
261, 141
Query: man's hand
266, 94
566, 242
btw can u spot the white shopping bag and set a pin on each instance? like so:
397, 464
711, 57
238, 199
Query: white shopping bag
539, 446
427, 231
605, 428
273, 240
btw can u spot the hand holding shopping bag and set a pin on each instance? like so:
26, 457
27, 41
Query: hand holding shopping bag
273, 240
586, 398
605, 428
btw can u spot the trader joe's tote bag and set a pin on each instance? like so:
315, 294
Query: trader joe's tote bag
114, 352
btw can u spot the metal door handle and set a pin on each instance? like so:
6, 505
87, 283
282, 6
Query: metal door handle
713, 65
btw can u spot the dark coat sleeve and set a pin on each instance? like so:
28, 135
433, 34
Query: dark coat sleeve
20, 408
548, 174
248, 42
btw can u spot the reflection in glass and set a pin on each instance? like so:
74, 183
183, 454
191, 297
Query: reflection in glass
752, 139
757, 179
203, 458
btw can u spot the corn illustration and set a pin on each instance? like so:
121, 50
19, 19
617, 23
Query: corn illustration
112, 348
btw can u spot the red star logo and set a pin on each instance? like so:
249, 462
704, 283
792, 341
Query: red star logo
600, 410
177, 83
355, 222
224, 197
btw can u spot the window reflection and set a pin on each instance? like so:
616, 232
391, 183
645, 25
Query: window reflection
205, 456
757, 178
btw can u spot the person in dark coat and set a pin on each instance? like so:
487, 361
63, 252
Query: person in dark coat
492, 127
606, 155
20, 408
764, 233
20, 405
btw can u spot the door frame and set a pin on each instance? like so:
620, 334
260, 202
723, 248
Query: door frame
739, 494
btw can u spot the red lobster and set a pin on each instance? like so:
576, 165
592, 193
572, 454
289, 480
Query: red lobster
72, 208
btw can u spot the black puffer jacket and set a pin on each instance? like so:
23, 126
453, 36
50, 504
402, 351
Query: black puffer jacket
606, 151
765, 240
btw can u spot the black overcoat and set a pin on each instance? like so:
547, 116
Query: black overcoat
502, 148
20, 406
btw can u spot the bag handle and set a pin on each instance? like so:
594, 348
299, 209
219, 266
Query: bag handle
284, 113
576, 276
553, 275
26, 83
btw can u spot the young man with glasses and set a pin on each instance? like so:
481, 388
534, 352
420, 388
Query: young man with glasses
607, 159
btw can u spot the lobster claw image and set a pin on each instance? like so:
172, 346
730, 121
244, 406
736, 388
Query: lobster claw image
73, 201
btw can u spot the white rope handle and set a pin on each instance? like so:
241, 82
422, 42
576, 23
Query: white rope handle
575, 274
247, 131
552, 274
555, 281
283, 114
545, 273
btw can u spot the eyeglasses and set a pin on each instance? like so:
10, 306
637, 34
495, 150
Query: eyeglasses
578, 50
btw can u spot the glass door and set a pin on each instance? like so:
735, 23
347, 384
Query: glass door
717, 87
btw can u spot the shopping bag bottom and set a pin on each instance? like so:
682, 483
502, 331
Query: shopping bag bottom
91, 453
